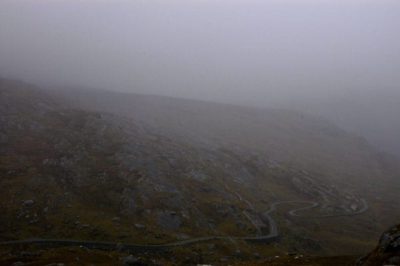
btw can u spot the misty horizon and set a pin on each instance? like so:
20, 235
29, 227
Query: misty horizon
253, 52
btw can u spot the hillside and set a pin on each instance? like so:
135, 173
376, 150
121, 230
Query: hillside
200, 179
367, 113
285, 136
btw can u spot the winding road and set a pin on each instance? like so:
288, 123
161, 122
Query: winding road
272, 236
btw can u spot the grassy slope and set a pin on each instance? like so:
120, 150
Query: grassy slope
96, 159
298, 141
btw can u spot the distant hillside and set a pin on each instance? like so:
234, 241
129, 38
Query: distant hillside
373, 115
102, 166
285, 136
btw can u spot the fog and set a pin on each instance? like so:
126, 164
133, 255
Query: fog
334, 58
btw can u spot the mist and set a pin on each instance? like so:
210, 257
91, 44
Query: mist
200, 132
305, 55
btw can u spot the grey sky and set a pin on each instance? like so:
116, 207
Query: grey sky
241, 51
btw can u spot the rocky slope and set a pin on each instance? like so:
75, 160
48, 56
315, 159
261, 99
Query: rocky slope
387, 252
286, 136
153, 170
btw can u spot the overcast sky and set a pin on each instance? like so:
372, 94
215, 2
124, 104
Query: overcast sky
224, 50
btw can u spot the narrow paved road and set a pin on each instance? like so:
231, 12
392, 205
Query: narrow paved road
272, 236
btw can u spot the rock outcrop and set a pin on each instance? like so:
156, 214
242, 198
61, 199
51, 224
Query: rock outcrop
387, 252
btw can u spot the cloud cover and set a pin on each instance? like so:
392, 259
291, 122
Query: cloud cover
251, 52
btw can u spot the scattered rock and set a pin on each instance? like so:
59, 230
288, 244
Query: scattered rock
257, 255
119, 247
168, 220
28, 203
34, 221
140, 226
132, 261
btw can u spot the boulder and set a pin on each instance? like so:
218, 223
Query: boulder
132, 261
387, 252
28, 203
